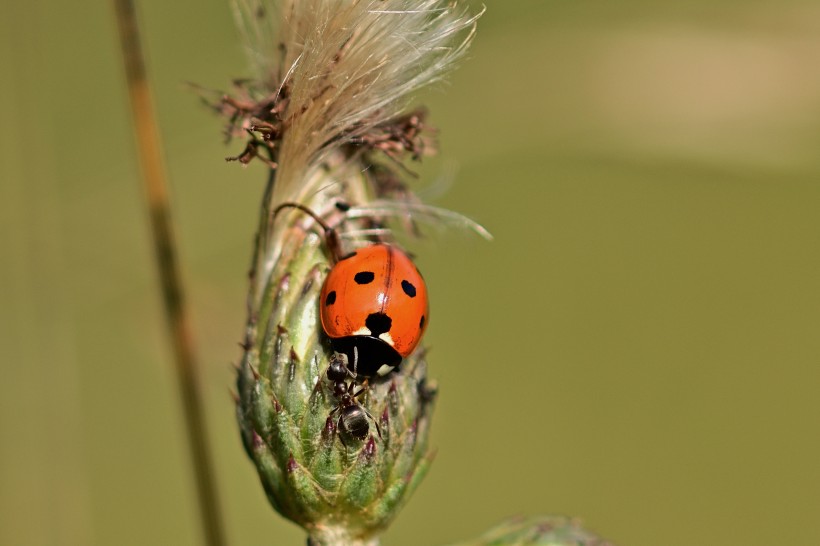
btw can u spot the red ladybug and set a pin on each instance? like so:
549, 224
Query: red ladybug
374, 299
374, 304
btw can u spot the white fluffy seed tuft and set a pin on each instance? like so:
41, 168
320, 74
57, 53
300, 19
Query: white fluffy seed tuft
347, 65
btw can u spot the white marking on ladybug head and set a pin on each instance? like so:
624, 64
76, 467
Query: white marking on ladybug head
387, 338
384, 370
363, 331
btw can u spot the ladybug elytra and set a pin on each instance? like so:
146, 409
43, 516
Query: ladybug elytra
374, 299
373, 306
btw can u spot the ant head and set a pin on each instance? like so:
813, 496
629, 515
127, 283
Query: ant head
337, 370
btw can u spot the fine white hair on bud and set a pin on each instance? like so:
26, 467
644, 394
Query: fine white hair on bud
347, 66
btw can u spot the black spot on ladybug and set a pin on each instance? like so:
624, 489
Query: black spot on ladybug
364, 277
348, 255
421, 322
331, 298
343, 206
408, 288
378, 323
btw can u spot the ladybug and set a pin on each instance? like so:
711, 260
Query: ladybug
373, 305
374, 300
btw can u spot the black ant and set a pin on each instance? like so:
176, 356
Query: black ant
352, 415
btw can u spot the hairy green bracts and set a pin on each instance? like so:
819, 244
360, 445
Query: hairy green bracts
327, 481
538, 531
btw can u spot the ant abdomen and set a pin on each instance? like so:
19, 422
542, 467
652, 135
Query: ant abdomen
353, 422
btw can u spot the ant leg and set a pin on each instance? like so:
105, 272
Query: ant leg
378, 428
358, 392
319, 380
355, 374
364, 387
355, 362
317, 388
339, 431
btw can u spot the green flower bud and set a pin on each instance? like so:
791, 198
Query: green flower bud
316, 472
327, 113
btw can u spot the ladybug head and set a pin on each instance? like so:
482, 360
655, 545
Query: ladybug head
373, 356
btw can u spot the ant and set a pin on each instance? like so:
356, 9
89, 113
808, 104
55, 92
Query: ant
352, 415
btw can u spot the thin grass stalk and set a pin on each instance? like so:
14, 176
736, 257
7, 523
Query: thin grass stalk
156, 190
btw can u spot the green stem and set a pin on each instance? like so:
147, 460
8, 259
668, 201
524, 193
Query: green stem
337, 537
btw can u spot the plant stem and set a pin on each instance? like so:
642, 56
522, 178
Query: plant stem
337, 537
154, 181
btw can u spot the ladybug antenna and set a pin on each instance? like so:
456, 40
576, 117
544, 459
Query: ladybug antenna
332, 240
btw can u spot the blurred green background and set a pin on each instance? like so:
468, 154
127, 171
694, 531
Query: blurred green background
639, 346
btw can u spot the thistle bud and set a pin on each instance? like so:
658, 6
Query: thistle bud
326, 114
315, 472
